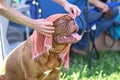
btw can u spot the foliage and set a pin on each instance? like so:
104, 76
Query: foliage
107, 67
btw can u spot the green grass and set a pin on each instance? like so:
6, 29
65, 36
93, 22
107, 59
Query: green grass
107, 67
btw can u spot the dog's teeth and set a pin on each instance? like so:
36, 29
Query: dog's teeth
58, 68
64, 37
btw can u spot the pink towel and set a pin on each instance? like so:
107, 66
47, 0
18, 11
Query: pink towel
42, 44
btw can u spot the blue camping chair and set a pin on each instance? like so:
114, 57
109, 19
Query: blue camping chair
92, 34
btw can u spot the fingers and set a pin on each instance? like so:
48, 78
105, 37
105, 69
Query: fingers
2, 7
75, 11
72, 9
45, 22
70, 12
105, 8
45, 30
44, 27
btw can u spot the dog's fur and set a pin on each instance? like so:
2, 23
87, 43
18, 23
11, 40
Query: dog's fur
21, 66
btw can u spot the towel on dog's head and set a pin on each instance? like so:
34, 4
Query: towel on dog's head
65, 33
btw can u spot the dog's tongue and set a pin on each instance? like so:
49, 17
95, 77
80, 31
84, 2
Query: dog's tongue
76, 36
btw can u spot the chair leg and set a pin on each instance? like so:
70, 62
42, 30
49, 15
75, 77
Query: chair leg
89, 52
93, 53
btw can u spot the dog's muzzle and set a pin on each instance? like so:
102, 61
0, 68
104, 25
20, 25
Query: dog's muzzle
66, 30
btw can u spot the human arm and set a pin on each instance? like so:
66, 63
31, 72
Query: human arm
70, 8
100, 5
41, 25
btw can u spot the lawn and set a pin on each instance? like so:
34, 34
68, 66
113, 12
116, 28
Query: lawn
107, 67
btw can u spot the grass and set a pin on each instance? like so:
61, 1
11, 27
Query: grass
107, 67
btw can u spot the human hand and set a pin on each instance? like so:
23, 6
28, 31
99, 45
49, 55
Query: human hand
2, 7
108, 14
43, 26
72, 9
102, 6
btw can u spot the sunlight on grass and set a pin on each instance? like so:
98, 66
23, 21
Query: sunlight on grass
105, 68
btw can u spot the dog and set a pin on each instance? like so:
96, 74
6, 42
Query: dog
20, 65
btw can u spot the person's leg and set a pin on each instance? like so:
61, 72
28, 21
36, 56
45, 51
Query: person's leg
106, 23
102, 25
94, 17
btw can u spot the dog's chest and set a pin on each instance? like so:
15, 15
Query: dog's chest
50, 61
49, 64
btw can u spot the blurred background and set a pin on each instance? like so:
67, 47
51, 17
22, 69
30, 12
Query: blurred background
12, 34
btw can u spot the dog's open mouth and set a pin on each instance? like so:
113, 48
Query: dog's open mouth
72, 38
66, 30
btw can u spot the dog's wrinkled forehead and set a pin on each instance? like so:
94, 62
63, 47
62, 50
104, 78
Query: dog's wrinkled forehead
64, 24
65, 17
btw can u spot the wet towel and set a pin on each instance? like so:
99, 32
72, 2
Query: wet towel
42, 44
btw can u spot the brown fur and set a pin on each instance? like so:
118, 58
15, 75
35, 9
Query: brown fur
2, 77
21, 66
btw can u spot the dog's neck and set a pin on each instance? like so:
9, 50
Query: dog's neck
57, 48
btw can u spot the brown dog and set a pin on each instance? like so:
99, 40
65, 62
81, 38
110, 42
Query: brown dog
21, 66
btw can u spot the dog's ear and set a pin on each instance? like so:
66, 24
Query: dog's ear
65, 30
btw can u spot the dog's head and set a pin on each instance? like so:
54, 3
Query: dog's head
66, 30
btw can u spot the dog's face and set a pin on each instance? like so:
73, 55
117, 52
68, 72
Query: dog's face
65, 30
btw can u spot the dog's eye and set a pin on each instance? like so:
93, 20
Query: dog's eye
62, 23
72, 22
